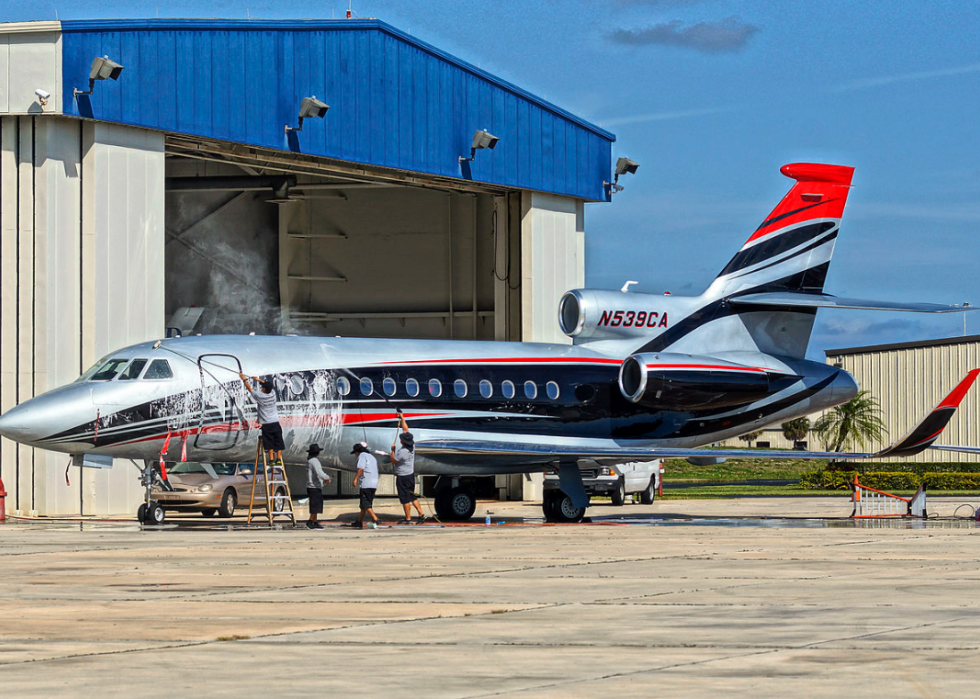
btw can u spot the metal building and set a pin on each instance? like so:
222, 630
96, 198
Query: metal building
910, 378
181, 191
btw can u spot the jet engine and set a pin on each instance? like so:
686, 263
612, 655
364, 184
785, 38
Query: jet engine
593, 314
688, 382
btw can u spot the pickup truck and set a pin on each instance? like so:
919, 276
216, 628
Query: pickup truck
616, 480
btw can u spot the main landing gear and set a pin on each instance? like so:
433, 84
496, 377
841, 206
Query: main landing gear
454, 502
558, 507
150, 513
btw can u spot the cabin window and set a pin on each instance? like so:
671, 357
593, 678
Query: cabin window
159, 369
508, 389
389, 386
367, 387
459, 387
343, 386
296, 385
553, 391
412, 387
585, 392
109, 370
435, 388
133, 371
530, 390
486, 389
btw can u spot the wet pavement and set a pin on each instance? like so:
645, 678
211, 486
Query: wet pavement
682, 598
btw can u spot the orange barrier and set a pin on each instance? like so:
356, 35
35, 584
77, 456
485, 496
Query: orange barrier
869, 502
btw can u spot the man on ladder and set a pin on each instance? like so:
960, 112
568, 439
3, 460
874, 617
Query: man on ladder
265, 403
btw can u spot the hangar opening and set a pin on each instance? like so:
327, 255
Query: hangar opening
258, 245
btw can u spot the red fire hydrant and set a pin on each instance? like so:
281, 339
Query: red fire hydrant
3, 497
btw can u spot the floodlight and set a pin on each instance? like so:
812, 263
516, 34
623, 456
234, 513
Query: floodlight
102, 69
624, 166
310, 107
481, 139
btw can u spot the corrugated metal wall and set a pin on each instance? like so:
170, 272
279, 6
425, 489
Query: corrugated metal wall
910, 381
81, 207
395, 101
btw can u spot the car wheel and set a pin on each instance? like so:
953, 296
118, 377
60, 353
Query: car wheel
619, 495
566, 511
647, 496
228, 502
279, 501
208, 512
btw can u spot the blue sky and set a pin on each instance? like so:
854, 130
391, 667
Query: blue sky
711, 97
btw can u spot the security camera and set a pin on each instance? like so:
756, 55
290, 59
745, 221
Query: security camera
42, 95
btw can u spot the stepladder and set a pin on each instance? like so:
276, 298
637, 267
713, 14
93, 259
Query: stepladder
278, 500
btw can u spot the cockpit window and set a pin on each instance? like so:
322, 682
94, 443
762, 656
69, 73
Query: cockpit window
94, 368
159, 369
109, 370
133, 370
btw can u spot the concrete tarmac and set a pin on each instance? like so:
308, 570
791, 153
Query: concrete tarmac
760, 607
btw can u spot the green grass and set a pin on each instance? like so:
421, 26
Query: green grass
740, 469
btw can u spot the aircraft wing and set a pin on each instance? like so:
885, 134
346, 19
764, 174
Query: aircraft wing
918, 439
784, 299
950, 447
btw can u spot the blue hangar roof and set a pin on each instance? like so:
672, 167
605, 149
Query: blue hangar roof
395, 101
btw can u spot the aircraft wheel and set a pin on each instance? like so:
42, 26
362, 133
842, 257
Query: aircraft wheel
228, 502
619, 495
455, 505
565, 511
550, 506
648, 495
208, 512
154, 514
141, 514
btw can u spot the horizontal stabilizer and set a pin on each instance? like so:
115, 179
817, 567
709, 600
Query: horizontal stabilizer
918, 439
796, 300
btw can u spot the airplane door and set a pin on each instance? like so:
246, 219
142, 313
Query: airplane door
222, 421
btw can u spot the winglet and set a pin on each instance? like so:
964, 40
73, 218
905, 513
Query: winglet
931, 426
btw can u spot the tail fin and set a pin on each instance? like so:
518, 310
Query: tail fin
791, 250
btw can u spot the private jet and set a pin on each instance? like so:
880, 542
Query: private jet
647, 376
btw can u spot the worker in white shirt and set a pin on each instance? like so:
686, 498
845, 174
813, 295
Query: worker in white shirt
367, 481
265, 403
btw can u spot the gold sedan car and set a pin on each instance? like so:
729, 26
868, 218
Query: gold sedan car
211, 488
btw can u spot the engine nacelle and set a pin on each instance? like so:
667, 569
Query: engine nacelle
689, 382
593, 314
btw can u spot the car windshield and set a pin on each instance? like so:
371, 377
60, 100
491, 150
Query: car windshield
194, 467
109, 370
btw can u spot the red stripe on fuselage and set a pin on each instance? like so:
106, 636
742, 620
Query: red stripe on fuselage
292, 421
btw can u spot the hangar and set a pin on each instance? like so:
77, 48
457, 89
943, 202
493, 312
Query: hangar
224, 176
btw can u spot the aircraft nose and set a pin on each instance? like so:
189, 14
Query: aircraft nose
46, 415
20, 424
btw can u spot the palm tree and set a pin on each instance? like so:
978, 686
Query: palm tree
750, 436
856, 421
796, 430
